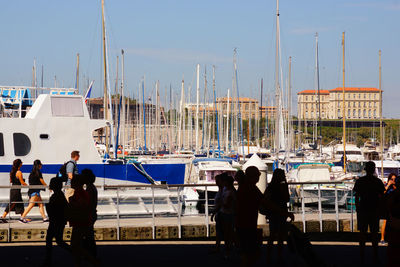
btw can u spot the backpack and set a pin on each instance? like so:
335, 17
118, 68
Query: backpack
62, 173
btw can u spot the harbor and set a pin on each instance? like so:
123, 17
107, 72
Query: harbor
199, 133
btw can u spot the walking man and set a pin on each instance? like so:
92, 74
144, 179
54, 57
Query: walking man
71, 167
368, 191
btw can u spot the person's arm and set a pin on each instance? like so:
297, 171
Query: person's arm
20, 178
70, 169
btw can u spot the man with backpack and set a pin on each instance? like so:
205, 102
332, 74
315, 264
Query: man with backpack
70, 169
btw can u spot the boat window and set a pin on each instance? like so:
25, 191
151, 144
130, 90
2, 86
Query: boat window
22, 144
1, 145
66, 107
44, 136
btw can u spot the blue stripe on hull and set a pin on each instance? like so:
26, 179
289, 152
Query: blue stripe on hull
171, 173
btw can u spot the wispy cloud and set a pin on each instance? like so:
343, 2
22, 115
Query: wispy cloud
174, 55
309, 30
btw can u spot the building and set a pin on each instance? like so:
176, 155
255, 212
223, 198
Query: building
270, 111
360, 103
248, 106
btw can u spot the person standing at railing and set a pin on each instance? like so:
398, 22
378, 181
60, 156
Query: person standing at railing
56, 209
389, 188
393, 226
277, 193
248, 201
215, 216
35, 178
16, 204
369, 191
227, 212
79, 216
89, 179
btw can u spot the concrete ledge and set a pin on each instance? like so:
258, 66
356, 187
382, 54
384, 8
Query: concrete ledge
194, 231
136, 233
23, 235
29, 233
3, 235
167, 232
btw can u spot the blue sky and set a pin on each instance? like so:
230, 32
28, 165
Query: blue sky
165, 39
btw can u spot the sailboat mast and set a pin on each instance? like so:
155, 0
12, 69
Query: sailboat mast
107, 96
289, 108
319, 137
123, 119
197, 107
77, 72
343, 109
277, 86
380, 110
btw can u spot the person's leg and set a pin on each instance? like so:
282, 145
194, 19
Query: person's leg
270, 245
41, 210
59, 235
374, 227
383, 230
49, 243
32, 203
280, 245
91, 241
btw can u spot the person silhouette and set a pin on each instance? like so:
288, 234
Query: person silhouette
248, 199
368, 191
277, 192
56, 210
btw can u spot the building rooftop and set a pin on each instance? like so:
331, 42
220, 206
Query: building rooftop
321, 92
355, 89
340, 89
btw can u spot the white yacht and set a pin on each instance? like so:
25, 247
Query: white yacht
318, 174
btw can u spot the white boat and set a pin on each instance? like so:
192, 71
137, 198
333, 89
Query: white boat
389, 166
318, 174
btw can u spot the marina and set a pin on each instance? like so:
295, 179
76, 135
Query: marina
195, 133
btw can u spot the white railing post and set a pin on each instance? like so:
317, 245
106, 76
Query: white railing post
303, 211
118, 215
336, 209
319, 208
179, 214
153, 215
351, 207
207, 219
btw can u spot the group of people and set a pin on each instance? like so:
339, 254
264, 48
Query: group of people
76, 205
236, 213
375, 201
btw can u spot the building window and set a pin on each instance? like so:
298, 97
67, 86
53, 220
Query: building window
22, 144
364, 113
306, 98
359, 113
359, 96
354, 113
338, 113
369, 113
1, 145
365, 96
354, 96
348, 113
374, 113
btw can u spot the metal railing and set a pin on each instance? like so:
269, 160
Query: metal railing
306, 199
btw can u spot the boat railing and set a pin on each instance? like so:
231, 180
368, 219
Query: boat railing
309, 201
15, 101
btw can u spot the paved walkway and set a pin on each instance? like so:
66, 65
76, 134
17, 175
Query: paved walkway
181, 253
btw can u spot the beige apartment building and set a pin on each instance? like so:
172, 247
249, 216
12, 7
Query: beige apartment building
360, 103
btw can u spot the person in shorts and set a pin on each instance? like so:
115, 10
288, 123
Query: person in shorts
368, 191
35, 178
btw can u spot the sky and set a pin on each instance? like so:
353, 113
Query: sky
165, 39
